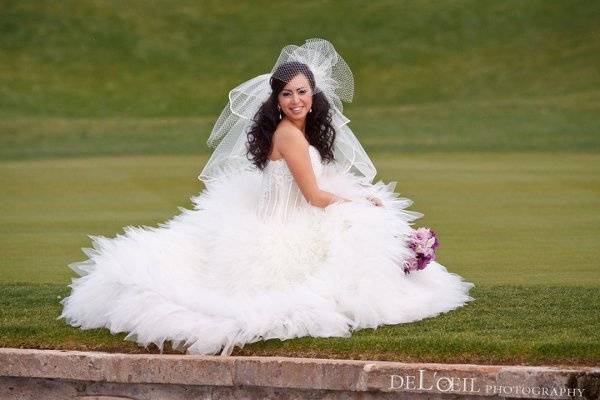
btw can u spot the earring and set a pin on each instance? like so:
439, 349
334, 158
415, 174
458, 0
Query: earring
310, 110
279, 108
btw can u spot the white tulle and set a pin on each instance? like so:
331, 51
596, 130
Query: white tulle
253, 260
333, 79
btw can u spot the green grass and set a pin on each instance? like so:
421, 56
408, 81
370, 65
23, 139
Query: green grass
566, 124
508, 218
486, 113
505, 325
523, 227
130, 58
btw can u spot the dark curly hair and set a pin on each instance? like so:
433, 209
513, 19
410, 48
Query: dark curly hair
319, 131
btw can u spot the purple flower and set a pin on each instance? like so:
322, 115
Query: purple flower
410, 264
421, 234
423, 242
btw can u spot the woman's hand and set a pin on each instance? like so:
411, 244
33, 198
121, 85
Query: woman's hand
376, 201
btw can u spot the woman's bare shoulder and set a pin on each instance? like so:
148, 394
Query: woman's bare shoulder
287, 134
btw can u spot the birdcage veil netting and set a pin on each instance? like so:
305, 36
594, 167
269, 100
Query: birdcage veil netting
332, 77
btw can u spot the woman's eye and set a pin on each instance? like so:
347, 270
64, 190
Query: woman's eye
300, 92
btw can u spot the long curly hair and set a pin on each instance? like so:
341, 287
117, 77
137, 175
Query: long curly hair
319, 130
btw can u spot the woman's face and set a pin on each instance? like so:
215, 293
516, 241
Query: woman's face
295, 99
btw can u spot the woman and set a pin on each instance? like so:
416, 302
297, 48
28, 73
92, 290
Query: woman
290, 238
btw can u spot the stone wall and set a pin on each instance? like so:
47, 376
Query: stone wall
54, 374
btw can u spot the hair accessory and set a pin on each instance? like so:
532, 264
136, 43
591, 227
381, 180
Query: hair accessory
332, 77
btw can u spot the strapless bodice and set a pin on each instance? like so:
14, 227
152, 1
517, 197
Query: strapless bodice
280, 195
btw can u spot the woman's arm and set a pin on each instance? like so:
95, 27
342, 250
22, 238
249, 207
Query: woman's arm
294, 149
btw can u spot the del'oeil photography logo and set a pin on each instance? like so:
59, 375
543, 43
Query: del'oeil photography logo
432, 381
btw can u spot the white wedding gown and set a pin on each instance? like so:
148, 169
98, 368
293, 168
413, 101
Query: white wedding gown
253, 260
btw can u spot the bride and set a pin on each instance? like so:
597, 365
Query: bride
290, 237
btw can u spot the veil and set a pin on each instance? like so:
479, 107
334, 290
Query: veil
332, 77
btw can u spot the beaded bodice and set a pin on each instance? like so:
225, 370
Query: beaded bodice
280, 195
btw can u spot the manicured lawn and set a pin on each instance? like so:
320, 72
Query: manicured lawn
507, 324
522, 226
487, 114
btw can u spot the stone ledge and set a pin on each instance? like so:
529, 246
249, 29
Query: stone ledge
128, 373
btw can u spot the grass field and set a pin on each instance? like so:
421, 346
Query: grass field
487, 114
522, 226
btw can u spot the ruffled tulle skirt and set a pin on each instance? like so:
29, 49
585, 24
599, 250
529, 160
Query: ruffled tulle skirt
218, 276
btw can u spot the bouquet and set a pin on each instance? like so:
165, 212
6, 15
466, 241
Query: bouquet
423, 242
